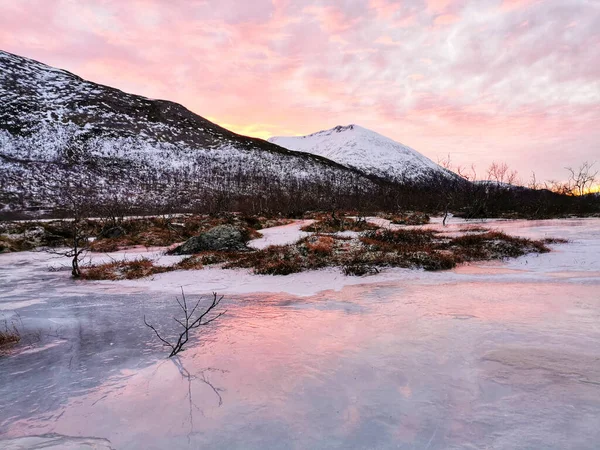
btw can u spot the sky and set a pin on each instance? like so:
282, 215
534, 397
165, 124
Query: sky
515, 81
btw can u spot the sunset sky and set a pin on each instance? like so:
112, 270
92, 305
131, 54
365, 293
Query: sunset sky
506, 80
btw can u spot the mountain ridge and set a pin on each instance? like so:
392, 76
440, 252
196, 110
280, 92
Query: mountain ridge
368, 151
53, 117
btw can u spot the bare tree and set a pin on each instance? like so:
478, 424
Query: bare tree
189, 322
501, 174
467, 176
71, 189
582, 179
533, 183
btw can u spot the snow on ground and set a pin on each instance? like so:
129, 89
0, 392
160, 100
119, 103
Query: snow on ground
282, 235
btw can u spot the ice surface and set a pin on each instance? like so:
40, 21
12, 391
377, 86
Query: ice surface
501, 355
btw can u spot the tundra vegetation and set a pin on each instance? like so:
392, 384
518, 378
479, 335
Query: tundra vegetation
9, 335
356, 245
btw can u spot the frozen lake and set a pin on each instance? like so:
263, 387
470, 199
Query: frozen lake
495, 355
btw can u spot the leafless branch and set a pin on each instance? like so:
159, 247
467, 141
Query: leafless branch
189, 322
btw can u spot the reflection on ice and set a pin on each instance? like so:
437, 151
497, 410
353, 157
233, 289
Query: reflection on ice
56, 442
502, 355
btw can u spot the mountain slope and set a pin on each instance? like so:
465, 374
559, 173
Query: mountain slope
50, 116
357, 147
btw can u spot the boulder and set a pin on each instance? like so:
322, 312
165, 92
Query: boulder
220, 238
112, 233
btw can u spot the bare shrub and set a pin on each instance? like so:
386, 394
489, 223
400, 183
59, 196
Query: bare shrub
359, 269
332, 224
273, 260
190, 321
9, 335
555, 241
411, 237
319, 245
189, 263
493, 245
413, 218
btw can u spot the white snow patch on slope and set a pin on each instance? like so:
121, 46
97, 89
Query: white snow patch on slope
366, 150
282, 235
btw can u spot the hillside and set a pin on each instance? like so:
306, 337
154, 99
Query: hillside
139, 147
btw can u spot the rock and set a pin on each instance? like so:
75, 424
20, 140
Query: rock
112, 233
220, 238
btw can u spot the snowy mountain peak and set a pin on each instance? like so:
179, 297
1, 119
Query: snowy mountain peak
334, 130
366, 150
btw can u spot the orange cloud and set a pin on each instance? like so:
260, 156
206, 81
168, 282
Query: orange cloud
509, 5
446, 19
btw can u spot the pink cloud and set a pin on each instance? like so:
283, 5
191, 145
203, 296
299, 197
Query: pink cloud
509, 5
484, 81
446, 19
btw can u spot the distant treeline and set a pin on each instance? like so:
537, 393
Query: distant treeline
57, 189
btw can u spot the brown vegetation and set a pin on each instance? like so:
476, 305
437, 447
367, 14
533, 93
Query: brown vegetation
9, 336
123, 270
418, 248
114, 235
407, 248
332, 224
411, 218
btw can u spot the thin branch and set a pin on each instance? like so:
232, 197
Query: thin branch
185, 323
158, 335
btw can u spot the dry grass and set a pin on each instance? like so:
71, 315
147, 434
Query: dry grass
319, 245
400, 237
424, 249
9, 336
549, 241
411, 218
207, 258
161, 232
15, 244
189, 263
124, 270
328, 224
415, 248
144, 231
359, 270
273, 260
375, 248
492, 245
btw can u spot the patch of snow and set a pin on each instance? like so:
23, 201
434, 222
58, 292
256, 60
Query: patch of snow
281, 235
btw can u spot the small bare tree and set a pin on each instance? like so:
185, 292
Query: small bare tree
71, 190
189, 322
533, 183
501, 174
582, 179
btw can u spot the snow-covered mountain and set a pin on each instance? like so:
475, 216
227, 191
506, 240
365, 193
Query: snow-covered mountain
52, 117
357, 147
